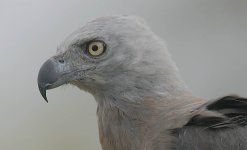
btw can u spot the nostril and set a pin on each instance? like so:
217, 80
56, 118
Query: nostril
61, 60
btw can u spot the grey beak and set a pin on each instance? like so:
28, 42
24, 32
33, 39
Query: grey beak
47, 77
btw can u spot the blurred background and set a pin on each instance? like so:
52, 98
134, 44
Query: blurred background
207, 38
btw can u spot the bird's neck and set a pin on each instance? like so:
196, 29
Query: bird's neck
137, 110
128, 124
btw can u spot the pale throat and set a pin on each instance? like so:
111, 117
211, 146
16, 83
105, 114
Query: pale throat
130, 124
130, 111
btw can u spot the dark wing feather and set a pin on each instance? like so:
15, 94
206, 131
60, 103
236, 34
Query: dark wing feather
224, 132
232, 108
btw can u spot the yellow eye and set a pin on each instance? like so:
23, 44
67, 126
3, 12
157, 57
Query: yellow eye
96, 48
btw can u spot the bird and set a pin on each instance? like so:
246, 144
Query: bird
142, 101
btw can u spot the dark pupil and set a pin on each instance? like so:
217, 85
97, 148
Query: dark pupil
94, 47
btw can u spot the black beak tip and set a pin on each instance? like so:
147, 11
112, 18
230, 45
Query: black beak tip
42, 91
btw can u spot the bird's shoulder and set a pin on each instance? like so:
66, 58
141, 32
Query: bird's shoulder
223, 113
219, 124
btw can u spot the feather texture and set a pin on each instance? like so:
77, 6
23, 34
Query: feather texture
221, 132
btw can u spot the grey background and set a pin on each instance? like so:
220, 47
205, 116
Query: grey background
208, 40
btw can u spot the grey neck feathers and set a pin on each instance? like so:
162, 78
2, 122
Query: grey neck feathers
133, 115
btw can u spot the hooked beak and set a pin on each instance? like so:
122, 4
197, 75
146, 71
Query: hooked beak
49, 77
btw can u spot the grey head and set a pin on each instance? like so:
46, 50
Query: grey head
111, 55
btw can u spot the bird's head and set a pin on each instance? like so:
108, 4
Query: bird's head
109, 54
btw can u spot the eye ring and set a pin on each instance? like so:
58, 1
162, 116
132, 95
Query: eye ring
96, 48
